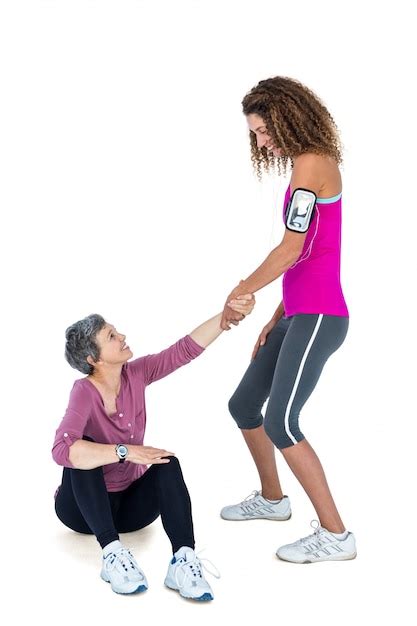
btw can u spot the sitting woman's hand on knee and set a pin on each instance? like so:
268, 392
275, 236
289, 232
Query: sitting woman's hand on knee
147, 455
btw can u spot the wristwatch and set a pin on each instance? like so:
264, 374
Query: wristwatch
122, 452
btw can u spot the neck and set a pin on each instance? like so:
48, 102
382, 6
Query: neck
108, 377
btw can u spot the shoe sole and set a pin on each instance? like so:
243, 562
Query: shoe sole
340, 558
249, 519
206, 597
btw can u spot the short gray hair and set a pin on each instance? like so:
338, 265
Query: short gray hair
81, 342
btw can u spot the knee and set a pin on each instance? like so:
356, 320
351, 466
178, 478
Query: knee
282, 430
233, 405
169, 471
241, 411
173, 465
173, 459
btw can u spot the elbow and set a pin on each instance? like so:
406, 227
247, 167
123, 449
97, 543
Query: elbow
292, 260
57, 455
288, 257
55, 458
63, 457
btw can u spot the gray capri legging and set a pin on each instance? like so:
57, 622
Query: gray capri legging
286, 368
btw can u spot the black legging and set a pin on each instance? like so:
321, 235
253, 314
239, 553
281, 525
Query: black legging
84, 504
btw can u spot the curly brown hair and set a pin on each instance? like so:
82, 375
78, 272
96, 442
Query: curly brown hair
296, 120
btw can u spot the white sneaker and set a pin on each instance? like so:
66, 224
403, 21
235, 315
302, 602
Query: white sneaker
322, 545
185, 574
123, 573
255, 506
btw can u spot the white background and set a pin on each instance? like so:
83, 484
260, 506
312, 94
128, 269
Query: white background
127, 190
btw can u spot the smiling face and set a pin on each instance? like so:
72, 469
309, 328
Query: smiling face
113, 347
257, 126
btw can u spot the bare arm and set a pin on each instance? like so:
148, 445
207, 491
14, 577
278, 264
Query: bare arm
207, 332
87, 455
278, 261
306, 174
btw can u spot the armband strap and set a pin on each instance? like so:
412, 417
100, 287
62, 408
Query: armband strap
300, 210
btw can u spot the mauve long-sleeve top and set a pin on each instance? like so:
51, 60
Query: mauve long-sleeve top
86, 415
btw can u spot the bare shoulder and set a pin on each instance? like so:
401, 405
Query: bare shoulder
319, 173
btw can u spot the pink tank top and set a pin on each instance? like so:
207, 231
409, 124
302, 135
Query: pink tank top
312, 283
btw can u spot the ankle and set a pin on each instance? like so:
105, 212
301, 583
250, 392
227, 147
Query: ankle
272, 494
337, 529
112, 547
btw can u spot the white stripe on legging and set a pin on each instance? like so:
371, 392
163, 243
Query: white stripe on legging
297, 380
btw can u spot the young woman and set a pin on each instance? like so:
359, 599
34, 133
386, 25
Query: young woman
289, 123
106, 485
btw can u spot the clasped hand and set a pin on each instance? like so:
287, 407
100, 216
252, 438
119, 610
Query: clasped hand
236, 308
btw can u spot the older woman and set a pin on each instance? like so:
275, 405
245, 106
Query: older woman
106, 486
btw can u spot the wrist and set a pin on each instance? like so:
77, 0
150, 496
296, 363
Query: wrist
239, 290
122, 452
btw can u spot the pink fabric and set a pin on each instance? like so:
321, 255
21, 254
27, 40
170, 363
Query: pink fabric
86, 415
312, 284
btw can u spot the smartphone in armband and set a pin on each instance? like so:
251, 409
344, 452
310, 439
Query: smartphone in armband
300, 210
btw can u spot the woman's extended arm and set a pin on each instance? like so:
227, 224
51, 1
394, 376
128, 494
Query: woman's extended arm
278, 261
307, 175
207, 332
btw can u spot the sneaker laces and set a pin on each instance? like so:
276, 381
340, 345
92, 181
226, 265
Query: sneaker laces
246, 507
193, 568
251, 495
318, 530
122, 558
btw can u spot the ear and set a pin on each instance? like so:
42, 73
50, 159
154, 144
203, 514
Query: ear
90, 360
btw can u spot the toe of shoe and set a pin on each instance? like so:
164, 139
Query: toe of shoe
133, 587
206, 597
284, 553
230, 513
203, 594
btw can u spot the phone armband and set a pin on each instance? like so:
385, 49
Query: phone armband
300, 210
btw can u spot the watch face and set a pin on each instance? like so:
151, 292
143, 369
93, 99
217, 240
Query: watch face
122, 451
